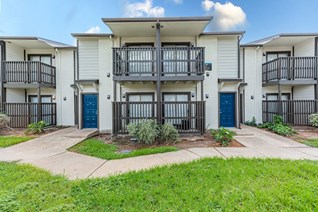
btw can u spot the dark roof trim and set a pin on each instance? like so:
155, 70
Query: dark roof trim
297, 34
54, 44
160, 19
251, 45
224, 33
91, 35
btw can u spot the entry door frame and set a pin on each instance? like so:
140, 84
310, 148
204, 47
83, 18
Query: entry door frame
82, 108
235, 107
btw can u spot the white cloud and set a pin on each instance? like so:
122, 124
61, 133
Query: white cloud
225, 16
143, 9
93, 29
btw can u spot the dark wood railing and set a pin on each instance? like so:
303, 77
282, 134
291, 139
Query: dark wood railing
176, 61
294, 112
187, 117
29, 72
22, 114
290, 68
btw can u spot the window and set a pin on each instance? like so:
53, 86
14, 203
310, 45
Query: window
274, 55
140, 59
274, 96
140, 106
175, 58
46, 108
41, 58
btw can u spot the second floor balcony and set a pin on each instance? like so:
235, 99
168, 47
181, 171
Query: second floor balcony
28, 73
288, 69
176, 63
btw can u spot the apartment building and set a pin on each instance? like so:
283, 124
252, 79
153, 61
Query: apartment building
167, 69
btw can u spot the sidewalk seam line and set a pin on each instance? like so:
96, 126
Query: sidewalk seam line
220, 152
96, 169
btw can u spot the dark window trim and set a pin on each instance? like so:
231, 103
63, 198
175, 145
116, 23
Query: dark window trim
276, 94
139, 44
40, 55
30, 96
139, 93
176, 44
316, 46
277, 52
176, 93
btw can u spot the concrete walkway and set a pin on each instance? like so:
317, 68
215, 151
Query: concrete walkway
50, 152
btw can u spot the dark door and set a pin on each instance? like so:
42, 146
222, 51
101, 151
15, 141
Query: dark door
227, 109
90, 111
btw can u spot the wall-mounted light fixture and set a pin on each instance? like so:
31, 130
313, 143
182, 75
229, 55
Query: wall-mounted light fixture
108, 96
207, 74
108, 74
206, 96
193, 95
124, 96
64, 98
53, 97
264, 96
53, 56
252, 97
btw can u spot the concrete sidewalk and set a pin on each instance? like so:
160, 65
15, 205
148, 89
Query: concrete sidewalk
50, 152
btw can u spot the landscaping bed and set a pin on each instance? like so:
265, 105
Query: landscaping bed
307, 135
204, 185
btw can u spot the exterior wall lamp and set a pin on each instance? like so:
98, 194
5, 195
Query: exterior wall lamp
108, 96
108, 74
206, 96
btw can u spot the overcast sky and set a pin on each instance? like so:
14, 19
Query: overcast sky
56, 19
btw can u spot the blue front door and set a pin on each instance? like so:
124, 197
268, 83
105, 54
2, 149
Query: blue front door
227, 109
90, 111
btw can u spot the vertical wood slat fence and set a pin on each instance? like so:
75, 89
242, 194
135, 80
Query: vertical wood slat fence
290, 68
294, 112
29, 72
187, 117
22, 114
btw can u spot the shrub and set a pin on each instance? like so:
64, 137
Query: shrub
223, 136
4, 121
145, 132
278, 126
251, 123
168, 133
148, 131
313, 119
36, 127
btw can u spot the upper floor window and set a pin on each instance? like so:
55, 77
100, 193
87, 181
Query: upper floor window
41, 58
274, 55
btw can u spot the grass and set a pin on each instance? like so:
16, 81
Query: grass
204, 185
97, 148
312, 142
6, 141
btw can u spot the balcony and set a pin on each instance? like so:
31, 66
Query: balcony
28, 74
140, 64
187, 117
290, 70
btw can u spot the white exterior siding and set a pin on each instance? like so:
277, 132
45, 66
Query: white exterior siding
14, 53
88, 59
305, 49
304, 92
227, 57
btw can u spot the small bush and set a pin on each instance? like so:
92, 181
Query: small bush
313, 119
223, 136
168, 133
148, 131
145, 132
278, 126
4, 121
36, 127
251, 123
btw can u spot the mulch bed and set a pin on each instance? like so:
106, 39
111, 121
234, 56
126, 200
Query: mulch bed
124, 142
304, 133
21, 131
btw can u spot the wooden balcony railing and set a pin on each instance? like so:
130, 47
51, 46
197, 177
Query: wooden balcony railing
29, 72
290, 68
176, 61
187, 117
22, 114
294, 112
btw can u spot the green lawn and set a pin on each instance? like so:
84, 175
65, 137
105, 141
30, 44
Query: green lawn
97, 148
312, 142
205, 185
6, 141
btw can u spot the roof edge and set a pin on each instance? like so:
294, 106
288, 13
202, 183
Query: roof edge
156, 19
91, 35
224, 33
